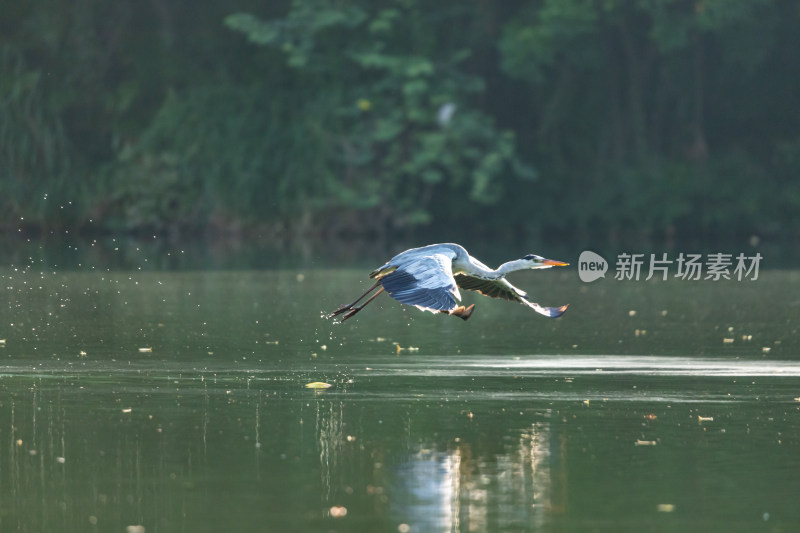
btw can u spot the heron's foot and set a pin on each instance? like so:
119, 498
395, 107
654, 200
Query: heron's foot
351, 312
346, 311
462, 312
339, 310
350, 309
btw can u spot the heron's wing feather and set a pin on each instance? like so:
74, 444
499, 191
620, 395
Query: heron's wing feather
426, 282
493, 288
501, 288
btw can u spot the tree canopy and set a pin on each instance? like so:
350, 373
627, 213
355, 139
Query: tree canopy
566, 118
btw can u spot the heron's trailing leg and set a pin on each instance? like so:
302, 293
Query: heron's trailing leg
353, 310
350, 306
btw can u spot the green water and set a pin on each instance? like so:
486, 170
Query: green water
176, 401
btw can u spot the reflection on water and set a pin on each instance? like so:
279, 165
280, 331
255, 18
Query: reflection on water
505, 423
207, 451
457, 491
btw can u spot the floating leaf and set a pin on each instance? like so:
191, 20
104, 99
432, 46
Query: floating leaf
338, 511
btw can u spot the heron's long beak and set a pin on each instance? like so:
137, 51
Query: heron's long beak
552, 263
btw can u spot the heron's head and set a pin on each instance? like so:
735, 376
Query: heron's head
537, 261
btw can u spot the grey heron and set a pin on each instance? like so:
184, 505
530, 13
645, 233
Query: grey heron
429, 278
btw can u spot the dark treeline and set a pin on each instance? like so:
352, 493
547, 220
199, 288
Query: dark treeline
583, 119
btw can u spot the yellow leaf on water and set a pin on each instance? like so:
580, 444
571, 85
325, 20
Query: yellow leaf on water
318, 385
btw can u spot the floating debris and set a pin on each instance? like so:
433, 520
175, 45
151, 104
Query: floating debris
701, 419
338, 511
318, 385
727, 340
765, 349
651, 416
664, 312
82, 353
665, 507
640, 332
632, 312
747, 337
640, 442
145, 350
2, 341
408, 349
127, 410
271, 342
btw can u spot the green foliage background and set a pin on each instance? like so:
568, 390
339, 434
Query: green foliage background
570, 119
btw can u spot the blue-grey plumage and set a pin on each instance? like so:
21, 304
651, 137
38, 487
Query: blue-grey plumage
429, 278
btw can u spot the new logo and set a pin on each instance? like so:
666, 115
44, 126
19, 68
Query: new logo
591, 266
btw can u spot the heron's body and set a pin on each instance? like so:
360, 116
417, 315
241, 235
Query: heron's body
429, 278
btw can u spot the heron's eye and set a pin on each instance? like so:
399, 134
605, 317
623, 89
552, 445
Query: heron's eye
530, 257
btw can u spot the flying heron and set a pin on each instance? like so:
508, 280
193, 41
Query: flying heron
429, 278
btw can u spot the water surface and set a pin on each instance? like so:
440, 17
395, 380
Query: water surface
177, 401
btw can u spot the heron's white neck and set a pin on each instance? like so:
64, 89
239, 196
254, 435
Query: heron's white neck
476, 268
512, 266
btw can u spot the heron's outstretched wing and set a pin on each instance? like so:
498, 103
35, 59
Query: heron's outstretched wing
425, 281
501, 288
494, 288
